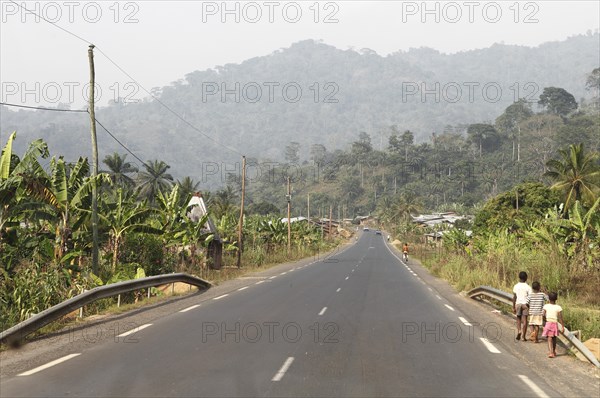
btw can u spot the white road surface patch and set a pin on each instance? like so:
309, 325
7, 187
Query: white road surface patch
134, 330
538, 391
49, 364
491, 348
190, 308
323, 311
220, 297
463, 320
450, 308
284, 368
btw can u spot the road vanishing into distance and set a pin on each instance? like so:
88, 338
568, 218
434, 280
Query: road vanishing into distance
357, 323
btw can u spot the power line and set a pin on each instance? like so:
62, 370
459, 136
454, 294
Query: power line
135, 81
45, 109
127, 149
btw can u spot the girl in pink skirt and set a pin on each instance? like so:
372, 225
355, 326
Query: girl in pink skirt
553, 315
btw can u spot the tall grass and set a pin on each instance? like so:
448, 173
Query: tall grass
499, 265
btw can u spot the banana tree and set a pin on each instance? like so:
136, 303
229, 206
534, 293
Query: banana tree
121, 214
64, 194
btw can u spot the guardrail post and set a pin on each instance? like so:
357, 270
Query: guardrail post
118, 301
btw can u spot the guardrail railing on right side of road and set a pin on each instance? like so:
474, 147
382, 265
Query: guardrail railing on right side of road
506, 298
21, 330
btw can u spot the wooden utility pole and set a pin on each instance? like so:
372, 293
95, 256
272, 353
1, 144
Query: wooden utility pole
94, 162
240, 227
330, 215
289, 214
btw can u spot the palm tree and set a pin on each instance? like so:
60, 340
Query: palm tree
118, 169
577, 175
187, 187
154, 179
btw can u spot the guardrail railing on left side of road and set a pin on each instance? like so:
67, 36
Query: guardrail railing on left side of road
21, 330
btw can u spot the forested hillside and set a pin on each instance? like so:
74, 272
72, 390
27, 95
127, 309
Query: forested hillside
343, 92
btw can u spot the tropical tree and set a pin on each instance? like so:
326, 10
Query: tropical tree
576, 175
118, 170
121, 214
154, 179
62, 194
558, 101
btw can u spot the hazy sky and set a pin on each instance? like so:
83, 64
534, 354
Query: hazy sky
158, 42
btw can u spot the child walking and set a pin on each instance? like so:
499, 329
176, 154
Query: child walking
520, 301
553, 314
537, 300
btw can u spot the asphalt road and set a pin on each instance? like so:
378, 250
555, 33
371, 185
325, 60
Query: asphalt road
358, 323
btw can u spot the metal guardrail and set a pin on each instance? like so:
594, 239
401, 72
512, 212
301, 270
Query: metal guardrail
506, 298
21, 330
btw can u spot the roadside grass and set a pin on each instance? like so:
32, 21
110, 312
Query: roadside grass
578, 292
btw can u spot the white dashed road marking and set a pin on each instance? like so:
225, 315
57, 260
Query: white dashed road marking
491, 348
323, 311
438, 297
242, 288
338, 289
259, 282
134, 330
190, 308
284, 368
463, 320
450, 308
220, 297
538, 391
49, 364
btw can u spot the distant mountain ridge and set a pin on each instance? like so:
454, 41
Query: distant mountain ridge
315, 93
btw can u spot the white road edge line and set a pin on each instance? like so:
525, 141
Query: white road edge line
347, 277
259, 282
463, 320
538, 391
134, 330
220, 297
491, 348
323, 311
49, 365
450, 308
437, 295
190, 308
273, 277
242, 288
430, 289
338, 289
283, 273
284, 368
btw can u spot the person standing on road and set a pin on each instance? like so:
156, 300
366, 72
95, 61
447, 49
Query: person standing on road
553, 314
521, 292
537, 300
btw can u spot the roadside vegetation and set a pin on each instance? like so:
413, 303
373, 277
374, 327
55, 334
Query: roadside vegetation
144, 229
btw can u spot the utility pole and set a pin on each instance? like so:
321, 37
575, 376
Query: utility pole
240, 233
308, 207
289, 214
330, 215
94, 162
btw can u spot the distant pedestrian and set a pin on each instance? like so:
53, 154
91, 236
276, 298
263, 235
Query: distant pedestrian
521, 292
537, 300
553, 315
